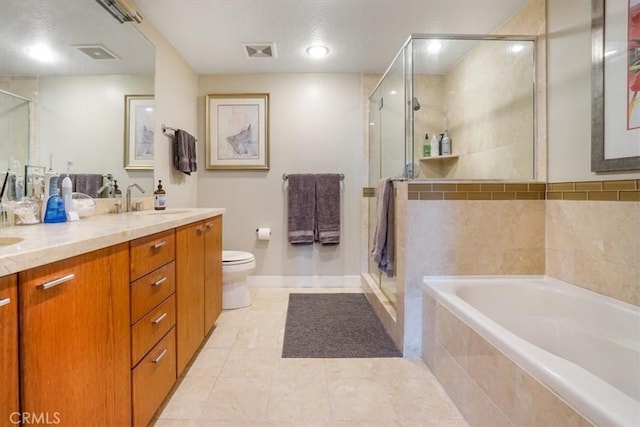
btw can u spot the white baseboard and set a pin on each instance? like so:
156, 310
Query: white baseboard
304, 281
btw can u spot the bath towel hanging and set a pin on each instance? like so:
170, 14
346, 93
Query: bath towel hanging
184, 152
327, 230
384, 236
88, 183
301, 208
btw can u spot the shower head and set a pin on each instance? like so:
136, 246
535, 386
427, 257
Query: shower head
416, 104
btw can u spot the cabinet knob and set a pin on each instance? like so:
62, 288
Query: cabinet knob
200, 230
5, 301
56, 282
159, 281
160, 356
207, 227
159, 245
159, 318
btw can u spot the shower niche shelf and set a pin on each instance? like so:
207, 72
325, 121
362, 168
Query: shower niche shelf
444, 157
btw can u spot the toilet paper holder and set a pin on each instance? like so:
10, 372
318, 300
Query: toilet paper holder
263, 233
258, 229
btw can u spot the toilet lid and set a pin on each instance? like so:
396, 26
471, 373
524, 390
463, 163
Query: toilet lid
236, 257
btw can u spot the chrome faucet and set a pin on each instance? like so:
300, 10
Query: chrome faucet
129, 194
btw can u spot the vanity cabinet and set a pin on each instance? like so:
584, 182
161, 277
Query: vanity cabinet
8, 349
199, 284
75, 339
153, 320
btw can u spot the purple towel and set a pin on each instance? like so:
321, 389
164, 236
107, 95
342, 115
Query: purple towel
184, 152
301, 206
327, 230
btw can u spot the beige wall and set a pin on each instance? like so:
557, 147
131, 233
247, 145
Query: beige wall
315, 126
592, 244
176, 93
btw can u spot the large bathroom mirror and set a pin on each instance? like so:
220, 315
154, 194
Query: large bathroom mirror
75, 63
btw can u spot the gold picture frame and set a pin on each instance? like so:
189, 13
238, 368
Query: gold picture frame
138, 132
237, 131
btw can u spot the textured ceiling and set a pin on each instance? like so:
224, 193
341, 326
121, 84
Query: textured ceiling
363, 35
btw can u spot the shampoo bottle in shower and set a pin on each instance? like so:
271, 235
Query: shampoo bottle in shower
435, 145
446, 144
426, 146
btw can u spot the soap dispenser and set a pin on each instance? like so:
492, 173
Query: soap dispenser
159, 198
426, 146
446, 144
435, 145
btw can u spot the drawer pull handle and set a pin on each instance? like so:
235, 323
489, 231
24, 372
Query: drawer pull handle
159, 318
159, 281
160, 356
159, 245
207, 227
56, 282
5, 301
200, 230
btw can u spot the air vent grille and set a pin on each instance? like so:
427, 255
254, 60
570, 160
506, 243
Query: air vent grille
260, 50
96, 51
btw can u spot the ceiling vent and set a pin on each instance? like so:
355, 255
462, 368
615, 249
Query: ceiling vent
260, 50
96, 51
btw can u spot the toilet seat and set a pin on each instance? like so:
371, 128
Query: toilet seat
237, 258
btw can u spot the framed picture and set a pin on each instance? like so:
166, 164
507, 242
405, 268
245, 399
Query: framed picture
615, 85
237, 129
138, 131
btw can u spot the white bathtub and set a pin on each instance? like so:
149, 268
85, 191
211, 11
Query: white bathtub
583, 345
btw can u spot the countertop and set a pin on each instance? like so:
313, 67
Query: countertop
46, 243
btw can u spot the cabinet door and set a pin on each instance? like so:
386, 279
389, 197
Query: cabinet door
8, 349
75, 339
212, 271
189, 291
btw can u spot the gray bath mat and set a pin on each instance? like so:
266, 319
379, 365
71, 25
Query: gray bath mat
334, 326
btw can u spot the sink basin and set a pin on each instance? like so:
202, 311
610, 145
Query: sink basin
164, 212
6, 240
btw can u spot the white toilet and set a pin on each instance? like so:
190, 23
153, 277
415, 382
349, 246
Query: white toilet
236, 266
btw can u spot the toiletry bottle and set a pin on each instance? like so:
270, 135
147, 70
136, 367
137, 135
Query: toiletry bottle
67, 189
117, 193
435, 145
426, 146
159, 197
446, 144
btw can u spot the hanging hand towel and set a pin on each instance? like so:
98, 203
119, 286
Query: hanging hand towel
301, 200
184, 152
88, 183
328, 208
384, 236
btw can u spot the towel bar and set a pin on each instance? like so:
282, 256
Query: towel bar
165, 128
286, 177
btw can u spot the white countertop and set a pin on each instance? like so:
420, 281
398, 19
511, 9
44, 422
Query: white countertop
46, 243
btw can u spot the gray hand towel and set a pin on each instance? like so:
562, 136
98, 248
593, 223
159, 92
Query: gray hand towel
302, 205
184, 152
88, 183
328, 208
384, 236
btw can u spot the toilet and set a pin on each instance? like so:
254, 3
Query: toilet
236, 266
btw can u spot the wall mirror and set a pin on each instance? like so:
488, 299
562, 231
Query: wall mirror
75, 63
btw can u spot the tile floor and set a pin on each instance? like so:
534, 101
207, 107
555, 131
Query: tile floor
240, 380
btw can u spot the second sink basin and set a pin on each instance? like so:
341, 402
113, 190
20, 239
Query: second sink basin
6, 240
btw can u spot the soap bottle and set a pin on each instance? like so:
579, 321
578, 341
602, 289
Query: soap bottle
426, 146
117, 193
159, 197
446, 144
67, 190
435, 145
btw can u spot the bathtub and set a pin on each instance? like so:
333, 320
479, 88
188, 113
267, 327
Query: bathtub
582, 345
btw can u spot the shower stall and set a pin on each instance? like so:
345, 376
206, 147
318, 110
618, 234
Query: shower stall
479, 90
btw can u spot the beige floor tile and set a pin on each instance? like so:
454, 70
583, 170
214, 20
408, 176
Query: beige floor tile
208, 363
264, 335
175, 423
260, 317
308, 369
183, 409
350, 368
298, 399
364, 424
249, 363
196, 389
237, 399
359, 399
222, 337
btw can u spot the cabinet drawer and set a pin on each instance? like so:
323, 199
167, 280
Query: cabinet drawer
146, 333
151, 252
151, 289
153, 378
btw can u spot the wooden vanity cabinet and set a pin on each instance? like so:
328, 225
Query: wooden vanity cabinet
75, 339
153, 320
198, 284
9, 403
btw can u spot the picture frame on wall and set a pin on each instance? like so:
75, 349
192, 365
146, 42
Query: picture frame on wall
138, 131
615, 85
237, 131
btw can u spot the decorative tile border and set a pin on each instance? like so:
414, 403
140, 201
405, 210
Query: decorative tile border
477, 191
627, 190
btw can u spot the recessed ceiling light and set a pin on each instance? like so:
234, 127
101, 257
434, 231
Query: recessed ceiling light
434, 46
516, 47
41, 52
317, 51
